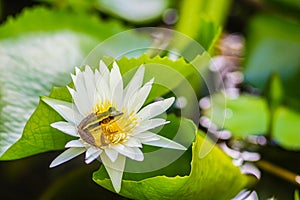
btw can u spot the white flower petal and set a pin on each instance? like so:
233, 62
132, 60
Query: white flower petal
93, 156
147, 137
82, 103
139, 97
111, 153
64, 109
102, 85
139, 156
74, 143
134, 84
82, 98
77, 70
80, 84
66, 127
103, 67
71, 91
116, 85
149, 124
114, 170
155, 108
97, 75
74, 77
133, 142
166, 143
91, 150
133, 153
104, 72
119, 148
90, 84
66, 156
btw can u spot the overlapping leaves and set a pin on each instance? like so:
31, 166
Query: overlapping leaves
39, 137
36, 53
187, 178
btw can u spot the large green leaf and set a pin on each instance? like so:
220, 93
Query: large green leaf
274, 93
202, 20
286, 126
39, 137
158, 67
204, 178
250, 115
274, 47
245, 115
296, 195
192, 10
187, 76
37, 51
135, 11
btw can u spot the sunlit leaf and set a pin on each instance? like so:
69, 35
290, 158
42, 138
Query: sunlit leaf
205, 180
274, 47
274, 93
202, 20
296, 195
38, 50
39, 137
249, 115
286, 128
134, 10
245, 115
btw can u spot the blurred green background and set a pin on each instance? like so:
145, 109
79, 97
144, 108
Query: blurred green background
269, 62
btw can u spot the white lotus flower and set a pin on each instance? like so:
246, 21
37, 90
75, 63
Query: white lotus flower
109, 120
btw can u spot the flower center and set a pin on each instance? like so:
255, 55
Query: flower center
102, 128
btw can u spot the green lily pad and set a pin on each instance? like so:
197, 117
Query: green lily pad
158, 67
296, 195
243, 116
133, 10
274, 47
274, 93
205, 180
286, 128
39, 137
250, 115
203, 21
37, 51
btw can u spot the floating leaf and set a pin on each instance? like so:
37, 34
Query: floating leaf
249, 115
274, 47
274, 93
296, 195
202, 20
37, 51
39, 137
286, 128
205, 180
245, 115
134, 10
